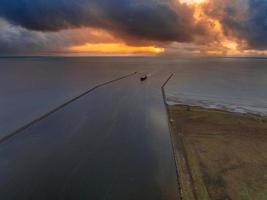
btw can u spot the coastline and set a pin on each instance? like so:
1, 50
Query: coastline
219, 154
213, 104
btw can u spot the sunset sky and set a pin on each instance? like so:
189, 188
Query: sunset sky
130, 27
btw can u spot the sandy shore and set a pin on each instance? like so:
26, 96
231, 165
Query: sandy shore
220, 155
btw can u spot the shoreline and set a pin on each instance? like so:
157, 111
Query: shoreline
220, 107
216, 149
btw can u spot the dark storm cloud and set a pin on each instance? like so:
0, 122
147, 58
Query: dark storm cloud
47, 15
254, 27
15, 39
149, 20
38, 24
246, 19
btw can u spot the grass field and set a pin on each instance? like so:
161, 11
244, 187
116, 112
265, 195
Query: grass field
220, 155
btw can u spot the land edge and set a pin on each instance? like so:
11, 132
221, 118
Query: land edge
171, 136
185, 178
190, 177
191, 184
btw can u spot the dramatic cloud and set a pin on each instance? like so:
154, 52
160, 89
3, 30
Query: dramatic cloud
208, 25
248, 20
16, 39
150, 19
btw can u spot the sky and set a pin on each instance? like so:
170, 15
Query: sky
133, 27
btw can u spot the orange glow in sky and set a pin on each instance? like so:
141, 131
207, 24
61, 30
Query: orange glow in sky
215, 42
222, 44
193, 1
115, 48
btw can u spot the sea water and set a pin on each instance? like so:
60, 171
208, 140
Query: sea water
33, 86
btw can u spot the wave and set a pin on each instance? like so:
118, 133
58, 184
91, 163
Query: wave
215, 103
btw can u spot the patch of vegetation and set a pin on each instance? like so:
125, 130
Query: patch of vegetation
225, 152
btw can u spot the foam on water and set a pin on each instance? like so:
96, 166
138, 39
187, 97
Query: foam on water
214, 103
237, 85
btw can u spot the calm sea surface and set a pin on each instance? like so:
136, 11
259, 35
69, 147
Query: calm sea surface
238, 85
30, 87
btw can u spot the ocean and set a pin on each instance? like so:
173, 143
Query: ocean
32, 86
233, 84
